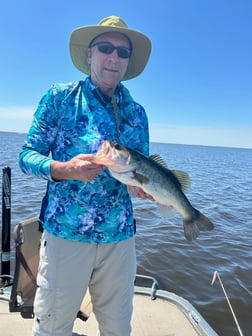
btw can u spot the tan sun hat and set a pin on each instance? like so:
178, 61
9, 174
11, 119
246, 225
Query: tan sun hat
81, 37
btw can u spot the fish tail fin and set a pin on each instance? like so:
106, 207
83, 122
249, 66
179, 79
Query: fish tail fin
198, 223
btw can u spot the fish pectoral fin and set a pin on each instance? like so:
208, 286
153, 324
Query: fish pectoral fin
166, 211
142, 179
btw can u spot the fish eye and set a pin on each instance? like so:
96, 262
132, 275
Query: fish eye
118, 146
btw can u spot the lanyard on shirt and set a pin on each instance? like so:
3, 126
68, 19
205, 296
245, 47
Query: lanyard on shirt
104, 102
116, 117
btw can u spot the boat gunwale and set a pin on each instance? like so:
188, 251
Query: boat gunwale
188, 310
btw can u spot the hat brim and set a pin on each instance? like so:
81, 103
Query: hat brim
81, 38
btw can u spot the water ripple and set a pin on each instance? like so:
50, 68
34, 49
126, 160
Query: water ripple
221, 180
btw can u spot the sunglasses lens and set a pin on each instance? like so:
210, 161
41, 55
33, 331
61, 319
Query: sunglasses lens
107, 48
123, 52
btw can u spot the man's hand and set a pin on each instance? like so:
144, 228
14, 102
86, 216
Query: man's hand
79, 168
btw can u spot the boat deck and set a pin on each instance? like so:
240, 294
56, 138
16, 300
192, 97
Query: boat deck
159, 317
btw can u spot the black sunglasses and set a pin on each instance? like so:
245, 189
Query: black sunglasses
108, 48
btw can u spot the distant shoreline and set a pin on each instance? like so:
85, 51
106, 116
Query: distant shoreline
157, 142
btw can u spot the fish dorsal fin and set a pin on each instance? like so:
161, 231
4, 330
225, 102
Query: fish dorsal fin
183, 178
158, 159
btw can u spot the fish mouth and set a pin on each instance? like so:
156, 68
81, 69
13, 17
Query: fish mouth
107, 153
103, 155
107, 147
112, 155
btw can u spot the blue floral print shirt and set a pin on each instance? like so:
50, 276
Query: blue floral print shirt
72, 119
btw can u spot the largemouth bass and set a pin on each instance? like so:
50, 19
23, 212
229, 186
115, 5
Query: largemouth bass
153, 176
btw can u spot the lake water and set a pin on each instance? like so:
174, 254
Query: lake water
221, 188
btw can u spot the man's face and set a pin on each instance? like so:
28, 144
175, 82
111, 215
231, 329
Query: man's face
107, 70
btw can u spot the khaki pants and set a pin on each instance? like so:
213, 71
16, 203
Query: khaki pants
67, 268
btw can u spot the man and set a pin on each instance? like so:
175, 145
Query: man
87, 217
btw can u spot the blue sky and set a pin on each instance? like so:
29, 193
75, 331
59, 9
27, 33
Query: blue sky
196, 89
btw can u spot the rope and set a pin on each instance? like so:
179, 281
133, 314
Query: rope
116, 117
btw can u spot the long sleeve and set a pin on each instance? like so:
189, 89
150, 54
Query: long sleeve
34, 156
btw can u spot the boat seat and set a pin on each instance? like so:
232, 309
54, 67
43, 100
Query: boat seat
27, 241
